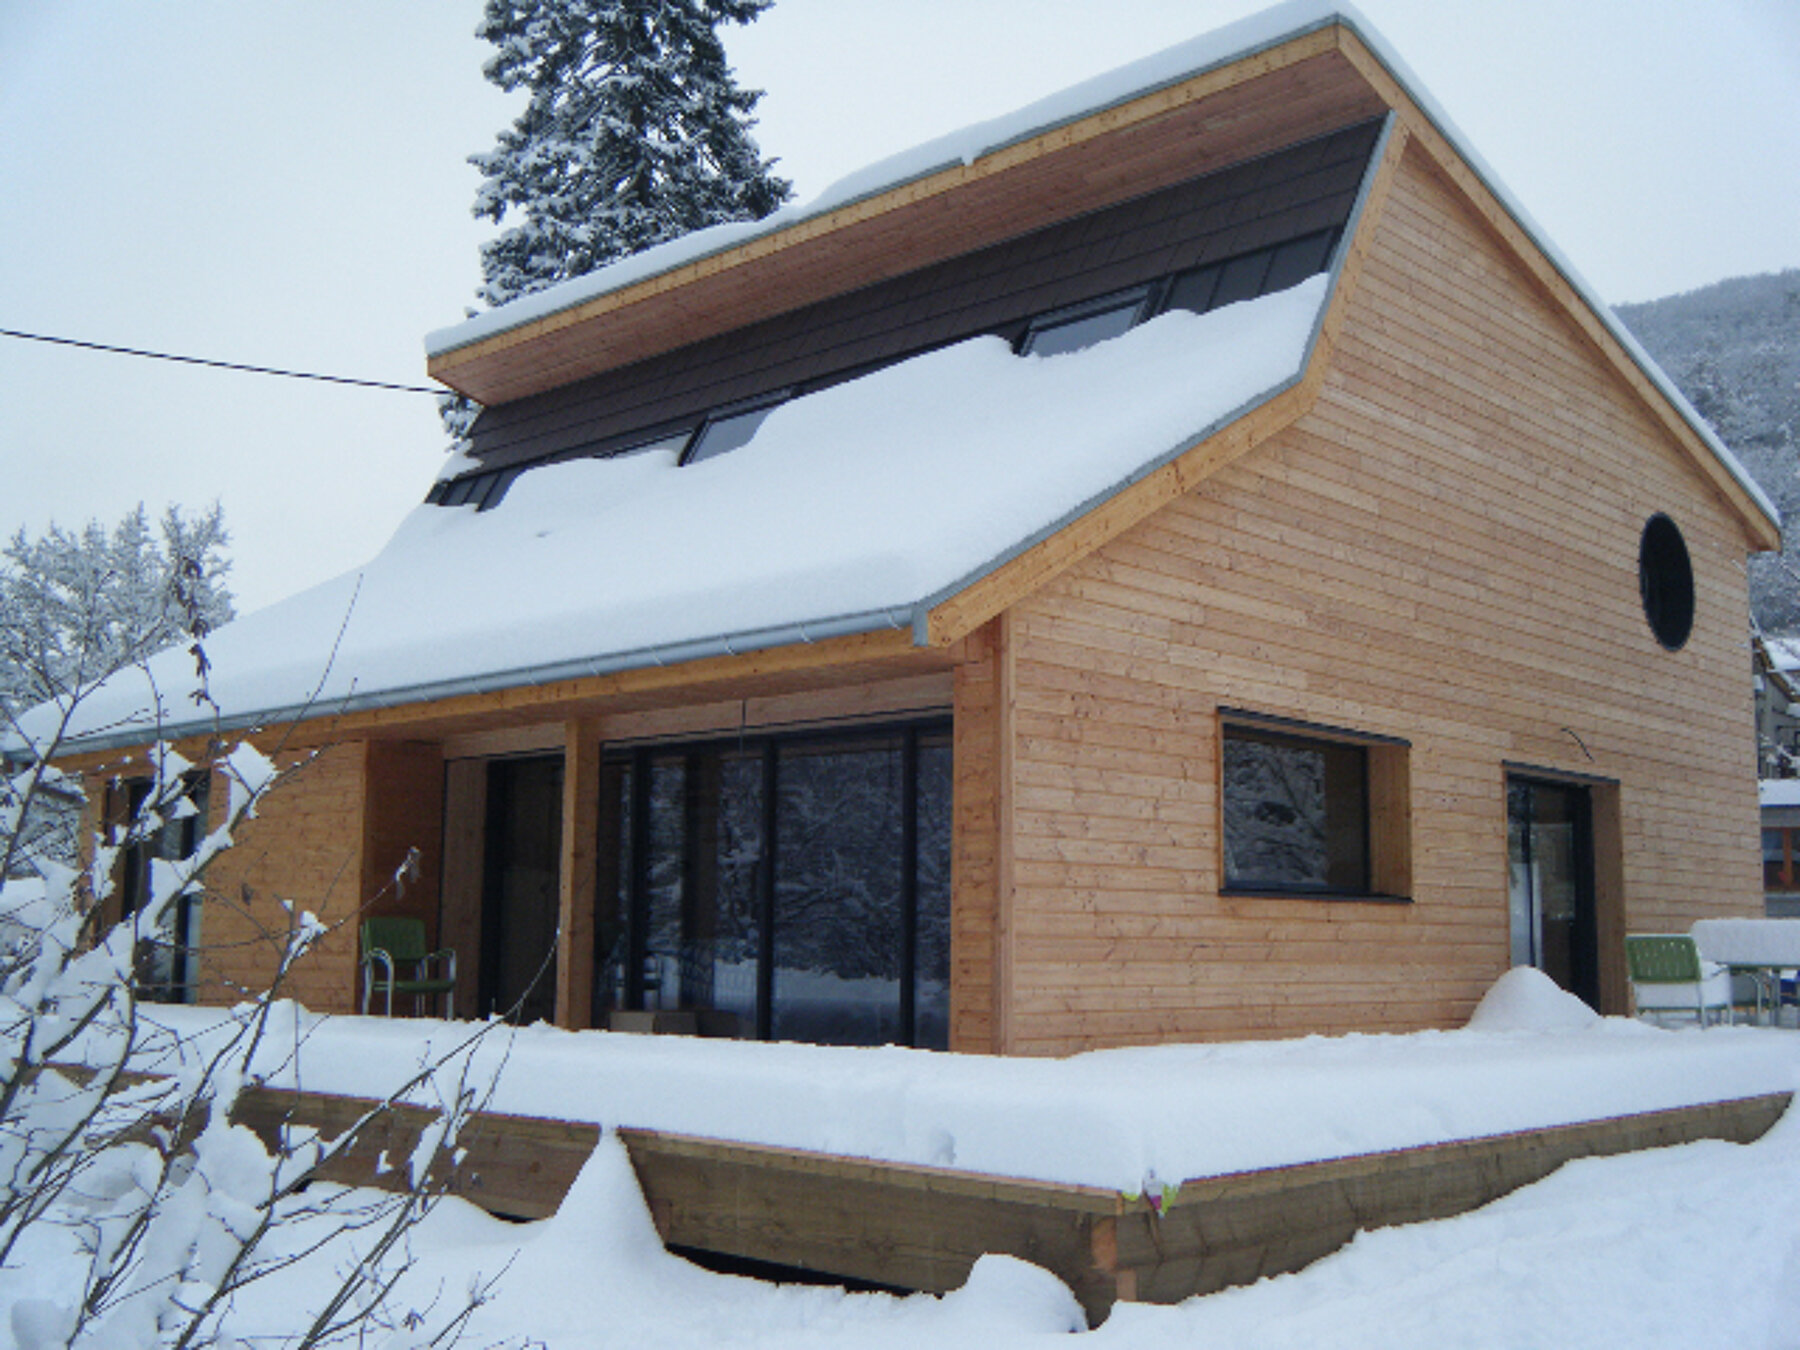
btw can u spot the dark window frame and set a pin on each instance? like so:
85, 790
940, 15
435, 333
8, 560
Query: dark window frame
1666, 582
1140, 301
482, 489
763, 404
1384, 872
768, 744
176, 838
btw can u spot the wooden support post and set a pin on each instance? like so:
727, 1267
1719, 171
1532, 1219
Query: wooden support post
1005, 937
580, 830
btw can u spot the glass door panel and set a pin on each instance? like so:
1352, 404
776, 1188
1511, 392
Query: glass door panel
838, 937
1551, 883
520, 900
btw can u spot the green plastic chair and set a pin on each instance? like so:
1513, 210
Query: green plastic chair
390, 945
1668, 976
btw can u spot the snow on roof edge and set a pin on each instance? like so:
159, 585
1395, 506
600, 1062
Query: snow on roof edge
519, 677
1220, 47
1211, 50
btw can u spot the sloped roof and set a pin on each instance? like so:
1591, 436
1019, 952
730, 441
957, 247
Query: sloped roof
852, 510
585, 324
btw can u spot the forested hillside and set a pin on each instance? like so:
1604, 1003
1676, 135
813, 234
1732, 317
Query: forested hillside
1734, 349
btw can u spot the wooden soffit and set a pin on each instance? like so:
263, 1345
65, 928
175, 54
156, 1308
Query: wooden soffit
1284, 94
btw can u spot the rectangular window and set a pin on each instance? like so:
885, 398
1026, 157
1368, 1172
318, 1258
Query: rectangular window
166, 958
731, 428
1312, 814
794, 887
1078, 326
1777, 860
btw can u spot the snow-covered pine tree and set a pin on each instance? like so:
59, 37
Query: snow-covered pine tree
635, 133
75, 607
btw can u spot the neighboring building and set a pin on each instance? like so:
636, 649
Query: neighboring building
1156, 567
1776, 667
1781, 847
1778, 763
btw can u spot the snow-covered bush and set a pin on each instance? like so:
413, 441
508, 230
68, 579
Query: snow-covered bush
119, 1157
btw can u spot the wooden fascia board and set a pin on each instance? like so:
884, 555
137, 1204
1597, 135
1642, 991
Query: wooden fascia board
999, 589
665, 287
560, 699
1763, 533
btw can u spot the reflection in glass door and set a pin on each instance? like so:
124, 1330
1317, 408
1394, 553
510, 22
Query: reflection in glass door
788, 887
1551, 883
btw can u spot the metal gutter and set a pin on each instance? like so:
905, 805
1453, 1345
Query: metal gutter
803, 633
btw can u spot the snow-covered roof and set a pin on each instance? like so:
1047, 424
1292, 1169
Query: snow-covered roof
1780, 791
1784, 653
1212, 50
853, 509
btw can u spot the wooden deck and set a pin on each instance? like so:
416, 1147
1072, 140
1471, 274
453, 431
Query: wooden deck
923, 1227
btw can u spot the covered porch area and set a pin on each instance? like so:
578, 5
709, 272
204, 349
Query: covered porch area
770, 848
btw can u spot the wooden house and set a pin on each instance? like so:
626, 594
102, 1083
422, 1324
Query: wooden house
1187, 561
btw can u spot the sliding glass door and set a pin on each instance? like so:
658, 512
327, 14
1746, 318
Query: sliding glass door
783, 887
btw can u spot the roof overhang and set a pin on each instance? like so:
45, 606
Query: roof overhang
1254, 102
1275, 79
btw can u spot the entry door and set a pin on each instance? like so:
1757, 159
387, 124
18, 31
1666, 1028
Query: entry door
1551, 851
520, 892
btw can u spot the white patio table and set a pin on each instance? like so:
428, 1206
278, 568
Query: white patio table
1760, 948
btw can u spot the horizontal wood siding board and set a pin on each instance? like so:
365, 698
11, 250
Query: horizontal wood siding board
1441, 549
921, 1227
1284, 195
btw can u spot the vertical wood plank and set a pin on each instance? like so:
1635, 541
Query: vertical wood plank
974, 838
465, 862
1006, 805
580, 828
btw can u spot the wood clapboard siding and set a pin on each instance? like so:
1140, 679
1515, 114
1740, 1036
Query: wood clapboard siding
306, 847
404, 815
974, 858
995, 289
1444, 549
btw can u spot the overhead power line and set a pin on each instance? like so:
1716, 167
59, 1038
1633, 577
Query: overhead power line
218, 365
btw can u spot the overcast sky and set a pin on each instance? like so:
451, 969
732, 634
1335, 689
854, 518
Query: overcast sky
286, 185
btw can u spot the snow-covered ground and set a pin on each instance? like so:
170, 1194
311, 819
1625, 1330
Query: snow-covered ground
1691, 1247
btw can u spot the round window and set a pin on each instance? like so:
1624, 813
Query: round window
1666, 579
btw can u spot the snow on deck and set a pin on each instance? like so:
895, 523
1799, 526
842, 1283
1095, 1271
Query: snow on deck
850, 510
1533, 1058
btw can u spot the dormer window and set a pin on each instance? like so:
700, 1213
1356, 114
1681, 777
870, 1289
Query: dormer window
1078, 326
730, 428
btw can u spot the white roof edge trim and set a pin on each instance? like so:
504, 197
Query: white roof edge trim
1377, 154
1210, 51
